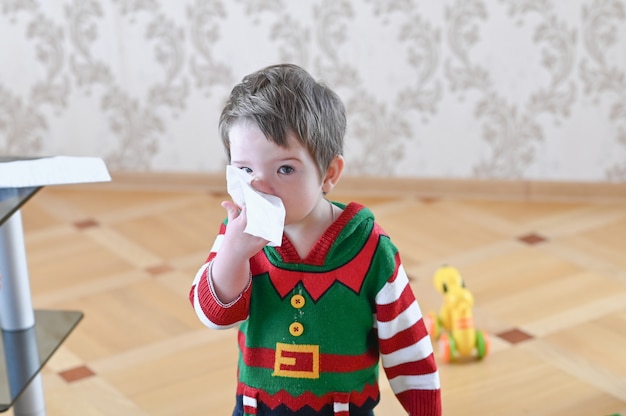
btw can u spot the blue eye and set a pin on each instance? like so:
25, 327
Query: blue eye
286, 170
246, 169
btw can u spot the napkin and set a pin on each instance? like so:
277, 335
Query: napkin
266, 213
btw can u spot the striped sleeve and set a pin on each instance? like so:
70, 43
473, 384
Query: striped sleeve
405, 347
209, 309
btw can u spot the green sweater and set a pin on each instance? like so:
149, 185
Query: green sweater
312, 330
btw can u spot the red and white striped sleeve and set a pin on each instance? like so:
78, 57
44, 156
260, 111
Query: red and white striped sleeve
209, 309
405, 347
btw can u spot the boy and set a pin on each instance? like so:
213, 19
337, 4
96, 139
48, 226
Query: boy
317, 312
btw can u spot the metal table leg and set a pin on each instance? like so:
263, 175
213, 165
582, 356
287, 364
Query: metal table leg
16, 309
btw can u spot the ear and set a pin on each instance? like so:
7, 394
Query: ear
333, 173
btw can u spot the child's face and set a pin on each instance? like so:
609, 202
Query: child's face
289, 173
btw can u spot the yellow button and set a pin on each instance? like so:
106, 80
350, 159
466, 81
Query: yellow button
296, 329
297, 301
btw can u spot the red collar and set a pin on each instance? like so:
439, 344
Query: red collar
351, 274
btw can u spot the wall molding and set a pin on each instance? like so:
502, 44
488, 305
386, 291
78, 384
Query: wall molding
522, 190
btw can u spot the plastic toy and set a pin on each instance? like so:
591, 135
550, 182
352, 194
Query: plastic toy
454, 327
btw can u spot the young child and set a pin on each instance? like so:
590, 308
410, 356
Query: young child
317, 312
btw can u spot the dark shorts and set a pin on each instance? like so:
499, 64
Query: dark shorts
263, 410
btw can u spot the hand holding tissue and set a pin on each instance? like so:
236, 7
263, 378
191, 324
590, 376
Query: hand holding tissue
265, 213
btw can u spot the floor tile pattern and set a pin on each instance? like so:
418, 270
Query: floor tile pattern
548, 280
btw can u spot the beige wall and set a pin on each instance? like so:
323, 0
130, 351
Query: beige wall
506, 89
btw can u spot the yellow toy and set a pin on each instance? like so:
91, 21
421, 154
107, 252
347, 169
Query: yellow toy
454, 326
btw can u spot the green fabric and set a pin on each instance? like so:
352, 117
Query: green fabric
340, 322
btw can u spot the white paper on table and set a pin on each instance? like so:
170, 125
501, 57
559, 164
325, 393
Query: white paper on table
266, 213
55, 170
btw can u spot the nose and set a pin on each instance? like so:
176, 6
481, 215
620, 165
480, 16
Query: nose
261, 185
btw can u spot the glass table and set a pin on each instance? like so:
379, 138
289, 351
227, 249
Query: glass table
29, 337
27, 351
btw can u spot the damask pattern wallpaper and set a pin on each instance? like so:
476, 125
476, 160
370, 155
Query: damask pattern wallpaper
506, 89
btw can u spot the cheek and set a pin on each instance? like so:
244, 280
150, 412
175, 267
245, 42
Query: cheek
300, 188
299, 203
300, 194
293, 205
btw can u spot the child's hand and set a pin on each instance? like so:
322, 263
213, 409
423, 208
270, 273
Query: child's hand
231, 265
241, 243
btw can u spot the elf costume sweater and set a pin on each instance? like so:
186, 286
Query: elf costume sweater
311, 330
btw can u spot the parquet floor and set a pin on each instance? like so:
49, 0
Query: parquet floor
549, 281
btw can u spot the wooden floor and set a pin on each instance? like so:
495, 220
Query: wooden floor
549, 281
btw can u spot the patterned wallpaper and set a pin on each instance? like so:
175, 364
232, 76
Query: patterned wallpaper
508, 89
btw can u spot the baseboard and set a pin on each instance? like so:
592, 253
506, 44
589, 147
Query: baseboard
410, 187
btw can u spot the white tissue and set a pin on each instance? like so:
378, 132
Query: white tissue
266, 213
